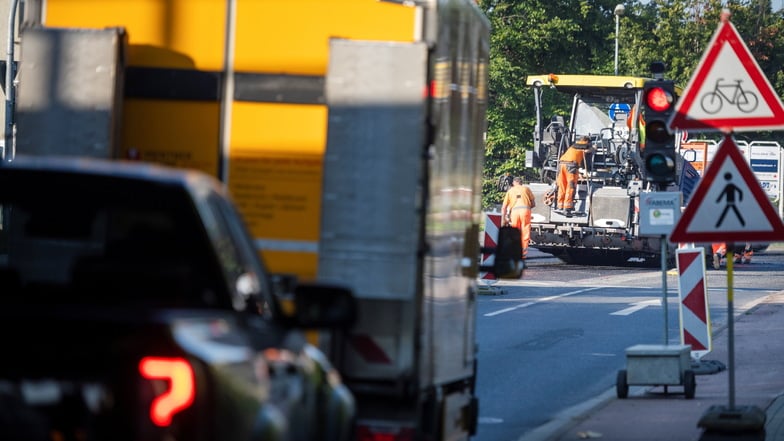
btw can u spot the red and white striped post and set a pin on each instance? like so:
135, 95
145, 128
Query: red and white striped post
489, 240
693, 291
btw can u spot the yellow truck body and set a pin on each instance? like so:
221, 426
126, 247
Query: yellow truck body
350, 133
271, 153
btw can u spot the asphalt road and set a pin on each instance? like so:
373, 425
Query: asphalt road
556, 339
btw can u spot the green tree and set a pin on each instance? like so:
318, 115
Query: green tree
535, 37
578, 36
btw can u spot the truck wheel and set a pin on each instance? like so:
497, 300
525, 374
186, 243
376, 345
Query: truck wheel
473, 416
621, 386
689, 383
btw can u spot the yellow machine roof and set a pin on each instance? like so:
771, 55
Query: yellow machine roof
588, 84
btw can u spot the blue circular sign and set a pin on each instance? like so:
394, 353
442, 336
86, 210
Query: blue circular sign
619, 108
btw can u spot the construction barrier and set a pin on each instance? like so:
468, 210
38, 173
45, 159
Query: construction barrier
492, 225
489, 240
693, 291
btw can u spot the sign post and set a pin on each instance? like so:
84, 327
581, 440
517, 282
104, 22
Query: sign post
729, 205
729, 92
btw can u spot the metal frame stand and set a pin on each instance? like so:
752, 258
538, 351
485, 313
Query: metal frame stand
658, 365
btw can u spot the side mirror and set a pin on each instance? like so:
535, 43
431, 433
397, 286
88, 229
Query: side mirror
324, 306
312, 305
507, 261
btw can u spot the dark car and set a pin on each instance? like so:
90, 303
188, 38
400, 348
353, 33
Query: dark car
133, 306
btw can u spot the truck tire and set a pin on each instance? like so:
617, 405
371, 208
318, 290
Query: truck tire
473, 416
621, 386
689, 383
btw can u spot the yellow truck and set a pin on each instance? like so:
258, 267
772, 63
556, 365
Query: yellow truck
349, 132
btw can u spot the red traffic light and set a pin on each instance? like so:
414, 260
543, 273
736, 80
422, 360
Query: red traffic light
658, 99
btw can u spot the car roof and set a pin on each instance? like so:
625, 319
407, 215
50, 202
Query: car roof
77, 219
112, 168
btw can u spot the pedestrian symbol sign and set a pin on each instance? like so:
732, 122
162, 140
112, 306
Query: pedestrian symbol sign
728, 91
728, 204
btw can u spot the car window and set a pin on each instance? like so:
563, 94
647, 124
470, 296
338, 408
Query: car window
71, 247
238, 258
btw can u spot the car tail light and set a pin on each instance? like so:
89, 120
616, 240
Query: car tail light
374, 433
181, 392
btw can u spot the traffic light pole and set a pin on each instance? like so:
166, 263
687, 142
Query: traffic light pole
663, 246
663, 240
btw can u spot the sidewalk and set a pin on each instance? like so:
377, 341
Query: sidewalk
648, 414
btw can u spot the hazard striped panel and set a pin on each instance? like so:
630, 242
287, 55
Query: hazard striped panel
370, 351
694, 311
492, 225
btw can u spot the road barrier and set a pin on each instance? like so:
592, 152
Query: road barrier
694, 312
489, 240
492, 225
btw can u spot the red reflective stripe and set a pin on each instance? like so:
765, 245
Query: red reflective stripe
687, 259
691, 340
695, 301
369, 350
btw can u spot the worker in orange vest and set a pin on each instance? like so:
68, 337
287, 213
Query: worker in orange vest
640, 127
569, 173
516, 211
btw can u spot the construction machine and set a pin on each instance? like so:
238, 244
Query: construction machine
604, 228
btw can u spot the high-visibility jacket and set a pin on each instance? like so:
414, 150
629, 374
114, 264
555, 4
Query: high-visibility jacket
640, 127
573, 155
519, 196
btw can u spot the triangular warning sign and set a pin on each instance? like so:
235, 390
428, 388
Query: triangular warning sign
728, 204
728, 91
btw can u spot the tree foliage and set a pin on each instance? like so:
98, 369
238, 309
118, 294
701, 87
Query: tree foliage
534, 37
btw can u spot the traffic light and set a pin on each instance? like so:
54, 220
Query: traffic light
658, 100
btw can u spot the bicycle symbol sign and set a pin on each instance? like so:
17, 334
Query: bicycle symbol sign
728, 91
732, 93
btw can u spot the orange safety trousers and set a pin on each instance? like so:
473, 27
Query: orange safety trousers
567, 186
740, 255
520, 218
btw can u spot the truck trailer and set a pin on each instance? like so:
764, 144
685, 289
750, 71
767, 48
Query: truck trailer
351, 135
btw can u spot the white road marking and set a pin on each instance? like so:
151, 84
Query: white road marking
542, 300
637, 306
